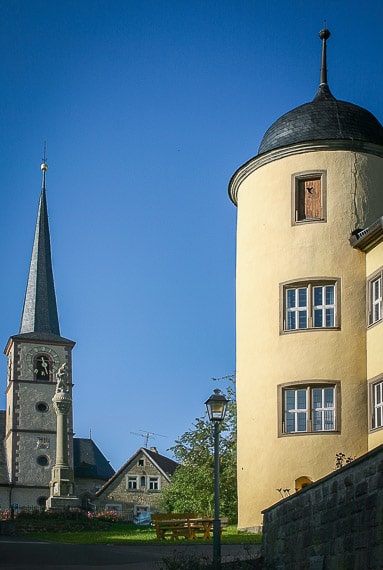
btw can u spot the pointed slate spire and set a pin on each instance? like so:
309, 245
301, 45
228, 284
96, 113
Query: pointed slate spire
40, 309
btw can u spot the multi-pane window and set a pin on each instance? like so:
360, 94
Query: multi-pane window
154, 484
131, 483
296, 410
375, 299
296, 308
377, 405
309, 197
310, 305
309, 408
323, 409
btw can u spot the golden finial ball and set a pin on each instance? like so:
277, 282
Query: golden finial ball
44, 166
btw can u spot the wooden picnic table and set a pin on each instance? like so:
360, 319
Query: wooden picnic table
179, 525
202, 526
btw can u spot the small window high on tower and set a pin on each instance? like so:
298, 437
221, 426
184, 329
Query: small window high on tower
308, 195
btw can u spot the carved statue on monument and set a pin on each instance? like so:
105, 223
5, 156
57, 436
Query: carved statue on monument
61, 377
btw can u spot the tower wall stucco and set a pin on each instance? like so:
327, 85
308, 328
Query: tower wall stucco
272, 250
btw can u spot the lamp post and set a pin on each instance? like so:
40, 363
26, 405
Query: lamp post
216, 408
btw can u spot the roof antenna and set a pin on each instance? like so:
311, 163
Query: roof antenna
44, 166
147, 435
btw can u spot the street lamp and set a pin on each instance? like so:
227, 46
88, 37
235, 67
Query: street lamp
216, 408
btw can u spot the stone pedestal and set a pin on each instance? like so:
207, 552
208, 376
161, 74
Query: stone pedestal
62, 482
62, 503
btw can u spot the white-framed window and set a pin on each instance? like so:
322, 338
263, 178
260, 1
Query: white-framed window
309, 408
154, 483
374, 291
309, 197
295, 410
132, 483
310, 304
323, 408
377, 404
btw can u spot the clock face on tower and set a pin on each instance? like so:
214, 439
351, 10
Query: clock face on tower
43, 361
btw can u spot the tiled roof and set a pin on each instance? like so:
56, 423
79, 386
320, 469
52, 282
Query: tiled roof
89, 462
325, 118
167, 465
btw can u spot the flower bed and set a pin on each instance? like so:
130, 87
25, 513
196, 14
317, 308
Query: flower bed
27, 522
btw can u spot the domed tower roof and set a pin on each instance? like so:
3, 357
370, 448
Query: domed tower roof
325, 118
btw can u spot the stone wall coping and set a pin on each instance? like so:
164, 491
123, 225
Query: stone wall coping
376, 451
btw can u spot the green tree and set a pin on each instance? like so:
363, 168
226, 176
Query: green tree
192, 488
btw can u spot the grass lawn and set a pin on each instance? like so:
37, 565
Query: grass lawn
123, 533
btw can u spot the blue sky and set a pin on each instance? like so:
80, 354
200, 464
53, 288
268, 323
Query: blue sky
147, 109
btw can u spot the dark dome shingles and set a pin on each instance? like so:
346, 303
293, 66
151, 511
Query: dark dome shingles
323, 118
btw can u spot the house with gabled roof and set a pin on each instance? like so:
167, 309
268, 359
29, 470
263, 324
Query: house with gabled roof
137, 487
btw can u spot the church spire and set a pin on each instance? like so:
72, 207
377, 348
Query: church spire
40, 309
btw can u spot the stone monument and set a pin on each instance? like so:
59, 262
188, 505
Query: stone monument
62, 482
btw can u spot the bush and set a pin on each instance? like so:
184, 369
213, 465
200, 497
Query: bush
30, 521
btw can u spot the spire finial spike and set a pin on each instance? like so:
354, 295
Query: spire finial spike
324, 35
44, 166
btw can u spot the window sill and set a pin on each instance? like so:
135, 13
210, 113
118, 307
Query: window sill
373, 430
301, 433
372, 325
309, 221
311, 329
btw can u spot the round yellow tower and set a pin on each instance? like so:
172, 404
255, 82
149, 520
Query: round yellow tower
301, 300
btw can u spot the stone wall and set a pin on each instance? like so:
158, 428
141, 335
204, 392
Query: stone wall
334, 523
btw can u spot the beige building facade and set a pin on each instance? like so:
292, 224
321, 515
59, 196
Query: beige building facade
305, 352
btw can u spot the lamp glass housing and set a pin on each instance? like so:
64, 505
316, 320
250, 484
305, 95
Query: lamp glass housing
216, 406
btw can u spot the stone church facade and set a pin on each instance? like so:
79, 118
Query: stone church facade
28, 425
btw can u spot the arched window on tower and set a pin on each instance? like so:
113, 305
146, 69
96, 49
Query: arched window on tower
42, 367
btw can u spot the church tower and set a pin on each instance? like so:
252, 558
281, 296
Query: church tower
34, 356
301, 296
